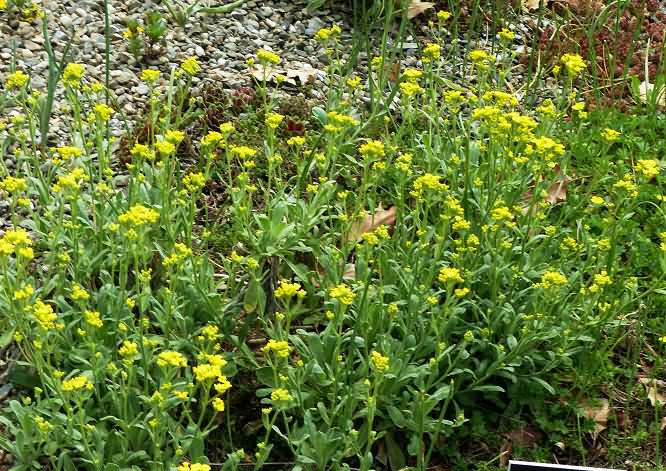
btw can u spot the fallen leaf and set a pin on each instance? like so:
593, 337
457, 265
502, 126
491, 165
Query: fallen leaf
597, 411
557, 191
416, 7
663, 423
533, 4
648, 94
654, 388
372, 221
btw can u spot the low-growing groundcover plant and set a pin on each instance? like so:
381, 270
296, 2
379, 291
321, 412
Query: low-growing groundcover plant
384, 276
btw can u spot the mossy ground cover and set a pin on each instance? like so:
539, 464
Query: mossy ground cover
443, 274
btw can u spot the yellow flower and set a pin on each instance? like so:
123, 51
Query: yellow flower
372, 148
273, 120
44, 315
174, 136
296, 141
72, 75
213, 138
478, 56
281, 395
222, 385
450, 275
211, 332
409, 89
128, 349
103, 111
551, 279
16, 80
431, 52
13, 185
24, 293
138, 215
243, 152
343, 294
190, 66
218, 404
649, 168
379, 362
194, 181
78, 293
427, 182
281, 348
165, 148
610, 135
506, 35
573, 63
171, 358
267, 57
150, 75
93, 318
288, 290
443, 15
76, 383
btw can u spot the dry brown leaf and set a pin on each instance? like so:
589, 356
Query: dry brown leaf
533, 4
597, 411
557, 191
372, 221
505, 453
654, 388
416, 7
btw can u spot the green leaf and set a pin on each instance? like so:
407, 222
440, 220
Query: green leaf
6, 337
544, 384
488, 388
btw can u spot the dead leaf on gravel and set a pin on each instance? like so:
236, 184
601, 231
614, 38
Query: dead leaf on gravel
557, 191
655, 389
372, 221
533, 4
597, 410
416, 7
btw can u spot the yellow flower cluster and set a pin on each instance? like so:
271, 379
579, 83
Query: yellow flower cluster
551, 279
190, 66
573, 63
128, 349
150, 75
431, 52
281, 348
267, 57
103, 112
139, 215
171, 358
16, 241
600, 280
379, 362
450, 275
193, 467
16, 80
93, 319
212, 139
281, 395
210, 368
610, 135
70, 183
181, 252
273, 120
194, 181
649, 168
69, 152
343, 294
72, 75
13, 185
427, 182
243, 152
77, 383
142, 151
324, 34
44, 315
78, 293
289, 290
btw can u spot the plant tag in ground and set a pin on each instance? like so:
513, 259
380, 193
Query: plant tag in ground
530, 466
